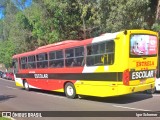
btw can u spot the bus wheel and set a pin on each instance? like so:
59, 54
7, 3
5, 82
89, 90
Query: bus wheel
26, 86
70, 91
151, 91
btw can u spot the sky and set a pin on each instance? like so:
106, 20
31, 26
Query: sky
27, 4
1, 12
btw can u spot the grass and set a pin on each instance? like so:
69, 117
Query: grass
3, 118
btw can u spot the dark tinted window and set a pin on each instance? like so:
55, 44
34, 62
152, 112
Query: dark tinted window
52, 55
100, 53
42, 60
74, 57
56, 59
42, 57
23, 63
31, 62
79, 51
69, 53
59, 54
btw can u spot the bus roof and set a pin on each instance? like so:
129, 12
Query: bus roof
57, 44
68, 43
74, 43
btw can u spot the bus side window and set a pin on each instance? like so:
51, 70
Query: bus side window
42, 60
51, 59
59, 59
89, 50
110, 46
90, 59
23, 63
74, 57
75, 62
69, 53
45, 62
95, 49
79, 56
100, 54
31, 62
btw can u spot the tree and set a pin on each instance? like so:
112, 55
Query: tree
123, 14
6, 44
7, 50
156, 25
48, 21
158, 11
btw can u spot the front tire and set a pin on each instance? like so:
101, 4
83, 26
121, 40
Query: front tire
26, 86
70, 90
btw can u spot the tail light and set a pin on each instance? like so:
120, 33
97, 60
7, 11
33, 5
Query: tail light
126, 77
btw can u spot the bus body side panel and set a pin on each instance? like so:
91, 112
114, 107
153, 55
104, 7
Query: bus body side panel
109, 85
54, 81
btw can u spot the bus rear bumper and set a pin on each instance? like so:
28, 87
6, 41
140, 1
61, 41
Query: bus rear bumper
132, 89
108, 91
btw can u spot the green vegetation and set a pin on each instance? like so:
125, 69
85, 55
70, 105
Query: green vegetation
49, 21
2, 118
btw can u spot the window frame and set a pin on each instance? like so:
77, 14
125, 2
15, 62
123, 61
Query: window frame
24, 63
32, 62
105, 53
73, 61
41, 64
57, 61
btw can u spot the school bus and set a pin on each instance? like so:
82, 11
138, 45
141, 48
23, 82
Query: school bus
111, 64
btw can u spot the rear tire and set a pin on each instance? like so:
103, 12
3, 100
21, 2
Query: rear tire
26, 86
151, 91
70, 90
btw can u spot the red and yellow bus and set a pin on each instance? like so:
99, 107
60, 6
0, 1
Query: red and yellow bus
108, 65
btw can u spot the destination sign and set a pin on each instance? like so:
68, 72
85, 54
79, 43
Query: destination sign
41, 75
142, 74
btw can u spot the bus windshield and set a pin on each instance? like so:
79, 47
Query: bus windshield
143, 45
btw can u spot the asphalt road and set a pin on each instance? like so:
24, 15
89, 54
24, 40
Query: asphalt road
13, 98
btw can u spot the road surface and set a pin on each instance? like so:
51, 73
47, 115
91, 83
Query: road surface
13, 98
